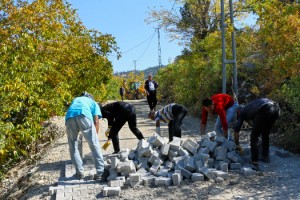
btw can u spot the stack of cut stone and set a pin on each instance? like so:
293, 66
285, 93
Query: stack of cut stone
160, 163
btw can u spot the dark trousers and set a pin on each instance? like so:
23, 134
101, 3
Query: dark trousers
262, 125
179, 112
128, 115
151, 99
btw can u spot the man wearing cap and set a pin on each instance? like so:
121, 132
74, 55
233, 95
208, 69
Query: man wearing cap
150, 87
83, 115
262, 113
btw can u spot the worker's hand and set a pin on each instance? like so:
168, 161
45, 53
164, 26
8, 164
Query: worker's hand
239, 149
107, 131
106, 145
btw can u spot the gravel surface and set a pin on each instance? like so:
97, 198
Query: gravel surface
279, 179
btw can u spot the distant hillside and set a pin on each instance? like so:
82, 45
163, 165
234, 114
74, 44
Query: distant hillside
150, 70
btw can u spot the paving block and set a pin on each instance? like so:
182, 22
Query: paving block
163, 181
219, 180
224, 167
190, 145
132, 154
211, 134
208, 173
148, 180
163, 172
189, 164
219, 173
111, 191
158, 140
177, 178
234, 166
169, 165
116, 183
221, 153
135, 177
230, 145
114, 162
175, 143
165, 149
183, 152
198, 165
232, 155
197, 177
203, 150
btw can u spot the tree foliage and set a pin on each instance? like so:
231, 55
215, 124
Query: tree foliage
47, 57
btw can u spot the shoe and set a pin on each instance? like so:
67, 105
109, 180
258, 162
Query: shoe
116, 152
79, 175
100, 178
255, 167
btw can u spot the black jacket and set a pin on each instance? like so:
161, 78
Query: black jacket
147, 85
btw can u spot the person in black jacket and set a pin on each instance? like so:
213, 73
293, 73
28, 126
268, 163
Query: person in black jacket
263, 113
150, 87
117, 114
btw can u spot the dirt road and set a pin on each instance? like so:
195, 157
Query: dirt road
279, 179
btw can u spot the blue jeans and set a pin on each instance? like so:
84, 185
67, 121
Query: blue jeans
230, 114
87, 127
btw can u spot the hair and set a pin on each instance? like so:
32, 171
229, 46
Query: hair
207, 102
86, 94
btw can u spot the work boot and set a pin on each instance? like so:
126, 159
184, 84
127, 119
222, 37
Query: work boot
79, 175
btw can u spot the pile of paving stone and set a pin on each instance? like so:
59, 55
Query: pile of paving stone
156, 162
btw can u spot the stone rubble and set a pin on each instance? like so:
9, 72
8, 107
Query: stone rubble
156, 162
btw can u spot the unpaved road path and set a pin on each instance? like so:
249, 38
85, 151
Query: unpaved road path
279, 179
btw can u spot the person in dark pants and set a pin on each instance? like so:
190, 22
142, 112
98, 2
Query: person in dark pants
172, 114
117, 114
150, 87
121, 91
263, 113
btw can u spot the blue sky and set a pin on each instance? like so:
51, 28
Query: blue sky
124, 19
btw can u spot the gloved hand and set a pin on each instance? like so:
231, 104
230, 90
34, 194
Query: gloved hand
239, 149
106, 144
107, 131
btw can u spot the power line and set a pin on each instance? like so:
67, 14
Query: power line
146, 47
139, 44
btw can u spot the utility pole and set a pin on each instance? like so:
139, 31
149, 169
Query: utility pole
159, 49
134, 69
233, 47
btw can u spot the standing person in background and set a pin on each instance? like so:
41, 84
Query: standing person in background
117, 114
121, 91
150, 87
172, 114
83, 115
223, 105
263, 113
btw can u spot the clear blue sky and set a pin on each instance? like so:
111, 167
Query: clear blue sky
124, 19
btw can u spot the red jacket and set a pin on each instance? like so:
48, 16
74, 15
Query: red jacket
222, 102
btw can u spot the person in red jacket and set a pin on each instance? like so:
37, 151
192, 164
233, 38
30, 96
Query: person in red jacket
223, 105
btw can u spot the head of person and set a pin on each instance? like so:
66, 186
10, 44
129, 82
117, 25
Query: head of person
86, 94
151, 115
150, 77
208, 105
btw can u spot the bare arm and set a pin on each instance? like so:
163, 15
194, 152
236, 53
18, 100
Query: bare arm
96, 123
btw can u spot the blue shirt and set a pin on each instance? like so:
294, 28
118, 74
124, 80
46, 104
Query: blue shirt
83, 106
